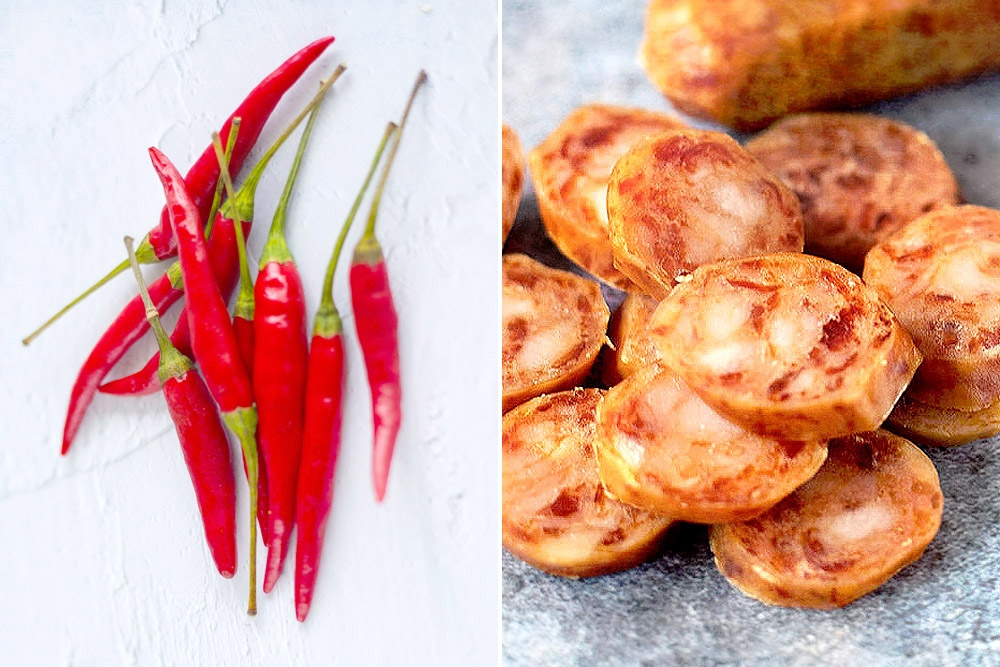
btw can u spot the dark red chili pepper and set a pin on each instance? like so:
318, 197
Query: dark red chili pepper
212, 337
202, 438
377, 324
159, 243
241, 205
279, 378
321, 438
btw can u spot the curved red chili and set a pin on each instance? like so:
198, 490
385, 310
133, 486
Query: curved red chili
254, 111
203, 441
377, 323
126, 329
212, 337
321, 437
279, 378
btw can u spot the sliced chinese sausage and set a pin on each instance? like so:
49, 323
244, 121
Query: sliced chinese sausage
858, 177
689, 197
512, 178
570, 170
556, 514
629, 333
554, 323
940, 274
661, 448
942, 427
786, 344
870, 511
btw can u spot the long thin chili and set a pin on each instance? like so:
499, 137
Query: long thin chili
279, 378
377, 326
202, 438
243, 328
212, 337
321, 438
255, 110
244, 308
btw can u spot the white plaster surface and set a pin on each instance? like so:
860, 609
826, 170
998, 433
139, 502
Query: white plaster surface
102, 558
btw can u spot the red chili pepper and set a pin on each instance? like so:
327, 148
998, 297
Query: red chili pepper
144, 381
202, 438
137, 384
126, 329
321, 439
159, 243
279, 378
377, 323
212, 337
244, 309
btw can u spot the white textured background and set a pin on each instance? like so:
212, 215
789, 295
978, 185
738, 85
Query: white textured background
102, 558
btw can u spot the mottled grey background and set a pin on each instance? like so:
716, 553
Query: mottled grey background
943, 610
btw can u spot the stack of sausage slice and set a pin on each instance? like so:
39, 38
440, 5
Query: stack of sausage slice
746, 381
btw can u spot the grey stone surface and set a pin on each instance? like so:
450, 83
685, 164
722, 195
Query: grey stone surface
942, 610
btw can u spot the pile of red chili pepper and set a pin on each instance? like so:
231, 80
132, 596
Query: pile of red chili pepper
278, 394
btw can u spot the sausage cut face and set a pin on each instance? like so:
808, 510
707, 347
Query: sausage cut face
570, 170
689, 197
660, 447
556, 513
858, 177
554, 323
787, 344
870, 511
941, 276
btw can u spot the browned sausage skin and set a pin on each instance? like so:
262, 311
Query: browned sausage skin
748, 63
512, 178
570, 170
787, 344
858, 177
688, 197
870, 511
556, 514
554, 324
661, 448
941, 276
633, 349
935, 426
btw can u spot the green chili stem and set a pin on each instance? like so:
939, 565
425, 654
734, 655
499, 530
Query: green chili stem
250, 184
327, 296
370, 227
234, 129
281, 214
172, 362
